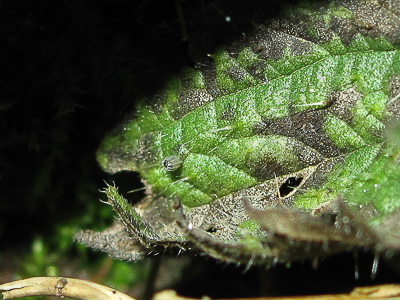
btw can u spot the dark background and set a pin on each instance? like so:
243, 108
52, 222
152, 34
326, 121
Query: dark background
69, 72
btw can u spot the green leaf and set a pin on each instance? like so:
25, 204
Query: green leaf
295, 115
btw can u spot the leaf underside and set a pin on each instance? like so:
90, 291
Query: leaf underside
284, 147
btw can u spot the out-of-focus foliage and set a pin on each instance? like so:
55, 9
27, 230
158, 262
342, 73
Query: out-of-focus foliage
69, 71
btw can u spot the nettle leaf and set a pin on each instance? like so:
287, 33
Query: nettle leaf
281, 149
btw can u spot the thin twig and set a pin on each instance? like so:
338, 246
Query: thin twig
60, 287
385, 291
86, 290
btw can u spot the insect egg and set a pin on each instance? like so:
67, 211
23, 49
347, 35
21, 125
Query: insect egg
172, 163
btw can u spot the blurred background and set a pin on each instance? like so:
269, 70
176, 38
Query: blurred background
70, 70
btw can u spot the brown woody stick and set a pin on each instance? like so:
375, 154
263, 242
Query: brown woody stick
61, 287
86, 290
